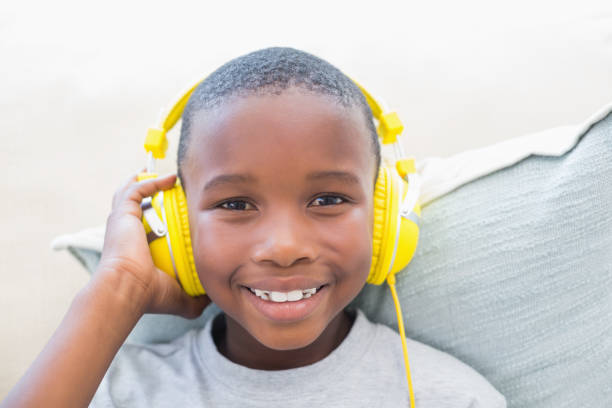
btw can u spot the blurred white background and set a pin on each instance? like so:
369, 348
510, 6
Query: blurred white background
80, 82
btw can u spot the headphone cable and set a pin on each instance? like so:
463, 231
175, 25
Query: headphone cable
400, 326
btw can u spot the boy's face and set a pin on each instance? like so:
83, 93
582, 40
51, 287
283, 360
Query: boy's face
280, 196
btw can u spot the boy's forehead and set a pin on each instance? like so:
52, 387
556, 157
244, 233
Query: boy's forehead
295, 126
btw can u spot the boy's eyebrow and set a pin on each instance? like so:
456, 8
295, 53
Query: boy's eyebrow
228, 179
344, 176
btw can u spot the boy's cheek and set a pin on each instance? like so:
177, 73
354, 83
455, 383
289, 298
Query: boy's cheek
352, 243
214, 254
215, 242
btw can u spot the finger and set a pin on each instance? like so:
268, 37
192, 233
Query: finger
132, 197
119, 193
133, 179
147, 188
122, 188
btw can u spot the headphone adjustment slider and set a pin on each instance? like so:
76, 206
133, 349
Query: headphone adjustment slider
390, 126
156, 142
405, 167
150, 215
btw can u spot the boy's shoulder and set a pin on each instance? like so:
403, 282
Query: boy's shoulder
438, 377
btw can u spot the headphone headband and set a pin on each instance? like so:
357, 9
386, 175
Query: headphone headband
156, 143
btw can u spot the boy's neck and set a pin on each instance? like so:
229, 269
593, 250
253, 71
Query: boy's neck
237, 345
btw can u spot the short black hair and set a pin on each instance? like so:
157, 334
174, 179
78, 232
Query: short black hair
271, 71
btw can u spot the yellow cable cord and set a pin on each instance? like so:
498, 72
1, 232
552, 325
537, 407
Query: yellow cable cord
400, 326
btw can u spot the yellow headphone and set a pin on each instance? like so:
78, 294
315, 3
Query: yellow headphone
396, 212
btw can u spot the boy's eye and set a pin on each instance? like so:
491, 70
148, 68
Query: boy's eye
236, 205
327, 200
242, 205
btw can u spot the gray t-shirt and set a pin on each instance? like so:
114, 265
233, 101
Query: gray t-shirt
365, 370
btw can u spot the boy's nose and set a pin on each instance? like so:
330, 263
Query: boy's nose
286, 241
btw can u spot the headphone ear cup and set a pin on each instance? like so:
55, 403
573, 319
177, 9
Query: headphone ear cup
394, 237
180, 239
379, 228
173, 253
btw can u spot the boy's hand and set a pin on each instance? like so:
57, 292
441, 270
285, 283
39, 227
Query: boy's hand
126, 284
126, 259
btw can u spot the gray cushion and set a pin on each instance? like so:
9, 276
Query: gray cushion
513, 275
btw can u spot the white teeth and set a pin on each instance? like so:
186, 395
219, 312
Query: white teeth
278, 296
292, 296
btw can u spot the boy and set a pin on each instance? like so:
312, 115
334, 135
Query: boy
278, 158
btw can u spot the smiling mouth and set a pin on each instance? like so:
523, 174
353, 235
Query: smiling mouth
280, 297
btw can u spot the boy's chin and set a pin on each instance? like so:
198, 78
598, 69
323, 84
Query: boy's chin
286, 339
315, 333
